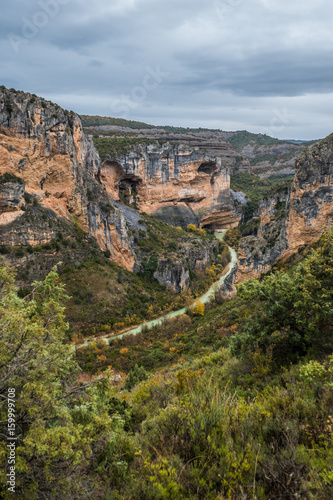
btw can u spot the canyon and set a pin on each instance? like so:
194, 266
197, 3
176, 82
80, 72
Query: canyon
54, 181
58, 179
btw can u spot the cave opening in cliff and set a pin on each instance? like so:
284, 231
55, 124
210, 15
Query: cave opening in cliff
207, 167
128, 189
113, 168
213, 226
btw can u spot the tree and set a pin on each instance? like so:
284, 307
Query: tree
135, 375
291, 312
61, 424
198, 308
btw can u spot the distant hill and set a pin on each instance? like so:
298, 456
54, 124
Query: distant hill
265, 155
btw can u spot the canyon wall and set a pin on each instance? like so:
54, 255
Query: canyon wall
288, 221
45, 146
53, 183
178, 184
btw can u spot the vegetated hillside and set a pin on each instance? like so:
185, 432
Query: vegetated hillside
95, 121
106, 298
120, 123
236, 403
117, 146
267, 156
242, 403
256, 189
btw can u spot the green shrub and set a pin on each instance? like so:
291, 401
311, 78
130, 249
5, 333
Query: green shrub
4, 250
7, 177
137, 374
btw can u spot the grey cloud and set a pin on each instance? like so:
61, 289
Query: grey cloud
89, 55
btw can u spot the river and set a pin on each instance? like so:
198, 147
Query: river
205, 298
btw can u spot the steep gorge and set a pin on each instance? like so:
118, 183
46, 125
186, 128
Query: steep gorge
58, 182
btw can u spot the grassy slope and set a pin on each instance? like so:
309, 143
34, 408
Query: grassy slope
110, 148
209, 425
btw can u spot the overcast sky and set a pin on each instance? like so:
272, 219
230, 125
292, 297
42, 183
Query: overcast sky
260, 65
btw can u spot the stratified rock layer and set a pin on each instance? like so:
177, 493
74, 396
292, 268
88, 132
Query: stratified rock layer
46, 147
179, 184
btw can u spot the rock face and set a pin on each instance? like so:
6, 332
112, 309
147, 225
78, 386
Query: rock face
310, 205
291, 220
176, 273
178, 184
46, 147
61, 185
11, 194
11, 200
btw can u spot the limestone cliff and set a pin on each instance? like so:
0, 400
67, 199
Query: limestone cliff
45, 146
52, 181
175, 272
294, 219
179, 184
310, 205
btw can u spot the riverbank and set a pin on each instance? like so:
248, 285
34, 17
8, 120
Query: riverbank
205, 298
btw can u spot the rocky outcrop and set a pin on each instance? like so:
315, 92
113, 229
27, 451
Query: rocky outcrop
294, 219
179, 184
257, 254
11, 194
228, 290
310, 206
45, 146
175, 273
11, 200
33, 227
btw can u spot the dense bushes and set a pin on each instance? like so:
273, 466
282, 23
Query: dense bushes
191, 421
67, 440
201, 438
221, 427
292, 311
